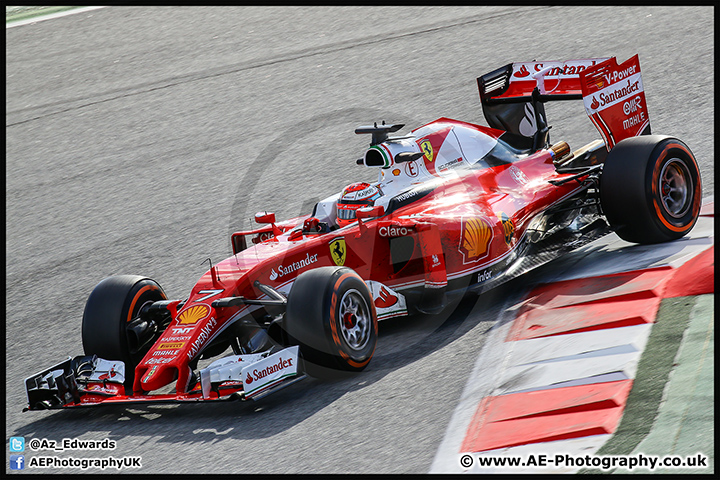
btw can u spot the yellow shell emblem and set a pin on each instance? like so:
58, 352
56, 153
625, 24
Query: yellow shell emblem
193, 314
475, 239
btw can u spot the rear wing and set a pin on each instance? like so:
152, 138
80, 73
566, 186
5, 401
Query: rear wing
513, 98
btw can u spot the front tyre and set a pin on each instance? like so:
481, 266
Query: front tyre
331, 315
650, 189
110, 308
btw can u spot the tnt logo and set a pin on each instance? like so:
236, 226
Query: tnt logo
17, 444
17, 462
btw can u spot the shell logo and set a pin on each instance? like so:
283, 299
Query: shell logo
193, 314
475, 239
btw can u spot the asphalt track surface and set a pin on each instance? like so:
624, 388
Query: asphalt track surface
139, 138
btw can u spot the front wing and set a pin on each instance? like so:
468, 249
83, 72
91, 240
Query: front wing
89, 381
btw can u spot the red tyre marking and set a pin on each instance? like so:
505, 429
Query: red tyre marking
335, 336
135, 299
658, 209
333, 305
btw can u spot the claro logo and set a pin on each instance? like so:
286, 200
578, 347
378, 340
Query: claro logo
394, 231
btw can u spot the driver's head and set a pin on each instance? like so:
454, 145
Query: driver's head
355, 196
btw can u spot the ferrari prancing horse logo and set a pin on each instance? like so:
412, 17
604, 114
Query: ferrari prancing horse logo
427, 148
338, 251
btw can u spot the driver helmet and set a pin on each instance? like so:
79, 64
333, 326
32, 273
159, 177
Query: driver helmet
357, 195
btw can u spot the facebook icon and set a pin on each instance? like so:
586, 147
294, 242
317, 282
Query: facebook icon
17, 462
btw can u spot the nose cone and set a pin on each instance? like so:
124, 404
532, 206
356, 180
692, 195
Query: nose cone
155, 377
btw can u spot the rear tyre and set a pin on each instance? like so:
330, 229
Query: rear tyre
650, 189
331, 316
111, 306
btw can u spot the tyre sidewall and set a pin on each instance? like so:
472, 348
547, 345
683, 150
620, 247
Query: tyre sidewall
313, 318
110, 307
629, 189
665, 152
344, 281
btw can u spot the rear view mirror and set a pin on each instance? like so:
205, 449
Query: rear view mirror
264, 217
370, 212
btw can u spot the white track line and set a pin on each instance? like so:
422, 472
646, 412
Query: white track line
51, 16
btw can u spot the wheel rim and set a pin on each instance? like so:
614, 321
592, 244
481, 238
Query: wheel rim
675, 187
355, 320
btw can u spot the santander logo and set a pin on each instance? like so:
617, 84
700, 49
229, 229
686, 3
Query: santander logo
283, 270
523, 72
270, 369
109, 375
385, 299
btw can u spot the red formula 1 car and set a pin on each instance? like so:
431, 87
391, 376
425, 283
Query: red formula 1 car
457, 207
